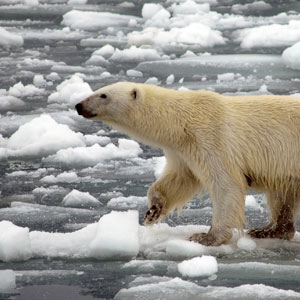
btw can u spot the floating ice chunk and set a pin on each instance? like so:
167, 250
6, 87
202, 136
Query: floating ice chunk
88, 156
39, 80
131, 202
53, 76
255, 6
63, 177
117, 236
10, 103
226, 77
80, 199
291, 56
10, 39
194, 33
274, 35
134, 73
88, 20
134, 54
190, 7
42, 136
19, 90
81, 2
175, 289
199, 266
150, 9
152, 80
170, 79
7, 280
91, 139
71, 91
14, 242
106, 51
246, 243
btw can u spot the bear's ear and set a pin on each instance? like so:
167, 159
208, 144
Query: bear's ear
134, 93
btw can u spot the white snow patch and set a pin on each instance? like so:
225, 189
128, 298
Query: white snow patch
80, 199
170, 79
14, 242
89, 20
71, 91
117, 236
63, 177
198, 266
194, 33
42, 136
273, 35
88, 156
134, 54
291, 56
21, 90
245, 243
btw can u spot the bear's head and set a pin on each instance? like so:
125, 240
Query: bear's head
111, 103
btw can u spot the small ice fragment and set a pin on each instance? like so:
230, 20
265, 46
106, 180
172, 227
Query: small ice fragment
170, 79
246, 244
134, 73
205, 265
80, 199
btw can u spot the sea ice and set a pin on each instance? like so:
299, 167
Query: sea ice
131, 202
19, 90
291, 56
116, 236
194, 33
42, 136
71, 91
274, 35
62, 177
246, 243
89, 20
89, 156
134, 54
199, 266
14, 242
10, 39
80, 199
7, 280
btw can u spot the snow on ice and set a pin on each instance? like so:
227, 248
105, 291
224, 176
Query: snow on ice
80, 199
199, 266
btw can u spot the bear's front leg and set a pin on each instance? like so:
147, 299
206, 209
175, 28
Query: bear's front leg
157, 205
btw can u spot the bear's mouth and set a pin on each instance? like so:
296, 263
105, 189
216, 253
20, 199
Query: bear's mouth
83, 112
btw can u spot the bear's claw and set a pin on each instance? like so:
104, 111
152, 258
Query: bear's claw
153, 214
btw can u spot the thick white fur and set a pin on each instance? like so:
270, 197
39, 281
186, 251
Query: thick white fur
212, 142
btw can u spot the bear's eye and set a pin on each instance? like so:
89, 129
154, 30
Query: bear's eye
103, 96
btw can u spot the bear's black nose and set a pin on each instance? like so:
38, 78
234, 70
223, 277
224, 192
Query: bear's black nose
79, 108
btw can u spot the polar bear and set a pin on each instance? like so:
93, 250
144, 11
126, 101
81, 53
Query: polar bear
222, 144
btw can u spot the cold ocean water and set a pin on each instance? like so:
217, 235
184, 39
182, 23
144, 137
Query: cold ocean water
73, 191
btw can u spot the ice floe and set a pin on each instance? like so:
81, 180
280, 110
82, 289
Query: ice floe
291, 56
41, 136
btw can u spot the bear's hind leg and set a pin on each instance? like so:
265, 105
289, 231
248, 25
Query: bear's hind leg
283, 208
